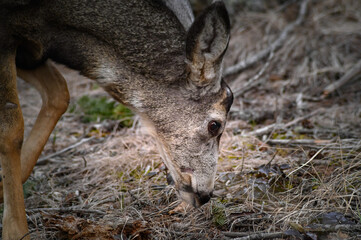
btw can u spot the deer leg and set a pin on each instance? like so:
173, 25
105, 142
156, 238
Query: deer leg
55, 99
11, 139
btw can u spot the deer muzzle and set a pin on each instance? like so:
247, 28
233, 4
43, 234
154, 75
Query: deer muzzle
196, 199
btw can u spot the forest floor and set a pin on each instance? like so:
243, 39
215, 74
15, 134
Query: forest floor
290, 157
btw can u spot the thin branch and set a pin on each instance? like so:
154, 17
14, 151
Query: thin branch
258, 236
254, 80
313, 143
272, 48
188, 234
332, 228
299, 141
45, 159
274, 126
315, 228
235, 234
354, 72
67, 210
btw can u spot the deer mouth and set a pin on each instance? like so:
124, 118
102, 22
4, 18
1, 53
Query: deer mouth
196, 199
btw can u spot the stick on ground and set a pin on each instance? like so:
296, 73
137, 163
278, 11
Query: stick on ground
350, 75
259, 236
45, 159
270, 128
67, 210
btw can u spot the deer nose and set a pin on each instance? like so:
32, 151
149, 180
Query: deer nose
195, 198
204, 197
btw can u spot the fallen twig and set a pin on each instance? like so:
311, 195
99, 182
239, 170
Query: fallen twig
254, 81
298, 141
258, 236
193, 235
354, 72
343, 144
332, 228
235, 234
67, 210
275, 126
262, 131
273, 47
45, 159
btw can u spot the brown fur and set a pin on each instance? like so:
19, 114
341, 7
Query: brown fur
143, 54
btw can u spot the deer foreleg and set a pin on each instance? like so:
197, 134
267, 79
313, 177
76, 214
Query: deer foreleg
11, 139
55, 97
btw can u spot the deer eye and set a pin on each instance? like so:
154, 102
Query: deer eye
213, 127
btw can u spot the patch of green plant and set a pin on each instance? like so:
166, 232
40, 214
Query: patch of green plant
302, 136
137, 173
283, 152
120, 174
72, 108
315, 183
250, 146
95, 86
224, 200
123, 188
219, 217
96, 109
28, 187
277, 135
53, 141
253, 123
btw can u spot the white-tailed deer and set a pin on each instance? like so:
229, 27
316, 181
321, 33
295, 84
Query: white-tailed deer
151, 55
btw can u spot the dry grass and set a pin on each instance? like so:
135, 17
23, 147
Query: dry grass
114, 186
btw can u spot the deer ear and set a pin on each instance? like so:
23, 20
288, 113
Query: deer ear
207, 41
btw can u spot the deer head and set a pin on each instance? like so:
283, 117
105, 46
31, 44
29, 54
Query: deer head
190, 114
180, 96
